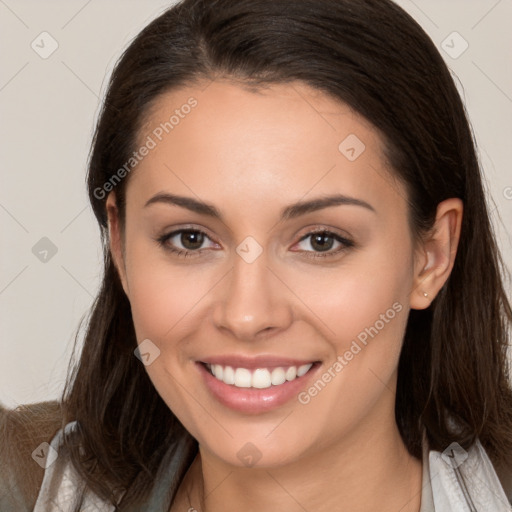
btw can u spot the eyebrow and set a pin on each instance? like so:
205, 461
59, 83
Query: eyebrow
290, 212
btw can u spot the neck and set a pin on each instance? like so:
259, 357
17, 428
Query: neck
369, 470
366, 469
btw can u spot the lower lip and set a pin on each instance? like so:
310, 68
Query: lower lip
252, 400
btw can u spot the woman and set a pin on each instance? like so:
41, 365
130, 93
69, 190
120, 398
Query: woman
302, 306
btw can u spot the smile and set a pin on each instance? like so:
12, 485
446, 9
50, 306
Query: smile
260, 378
255, 385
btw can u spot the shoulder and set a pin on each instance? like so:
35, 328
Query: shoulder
22, 430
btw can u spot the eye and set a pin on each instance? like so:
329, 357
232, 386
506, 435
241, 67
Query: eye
184, 242
190, 242
322, 241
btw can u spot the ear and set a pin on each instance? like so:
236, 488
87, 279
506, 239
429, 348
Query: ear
436, 255
116, 240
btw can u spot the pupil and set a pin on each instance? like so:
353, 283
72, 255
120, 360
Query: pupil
320, 242
192, 239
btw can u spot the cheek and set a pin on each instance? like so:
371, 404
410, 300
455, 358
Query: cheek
162, 294
362, 310
167, 309
361, 297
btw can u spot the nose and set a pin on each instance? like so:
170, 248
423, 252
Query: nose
252, 302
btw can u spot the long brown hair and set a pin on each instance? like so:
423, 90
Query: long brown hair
374, 57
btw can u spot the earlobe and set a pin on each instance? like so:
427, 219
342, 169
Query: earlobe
115, 239
437, 254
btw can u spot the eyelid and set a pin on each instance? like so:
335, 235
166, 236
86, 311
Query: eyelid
319, 228
169, 232
335, 232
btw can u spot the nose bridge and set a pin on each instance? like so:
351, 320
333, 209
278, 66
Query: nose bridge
251, 301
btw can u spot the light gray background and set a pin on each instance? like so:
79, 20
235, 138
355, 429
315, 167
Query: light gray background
47, 111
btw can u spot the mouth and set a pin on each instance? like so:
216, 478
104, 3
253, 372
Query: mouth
256, 386
260, 378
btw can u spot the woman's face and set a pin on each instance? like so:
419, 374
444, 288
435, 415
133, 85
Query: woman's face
298, 256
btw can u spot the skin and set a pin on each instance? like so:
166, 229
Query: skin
251, 154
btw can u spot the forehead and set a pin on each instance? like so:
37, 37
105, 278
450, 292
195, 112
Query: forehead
223, 141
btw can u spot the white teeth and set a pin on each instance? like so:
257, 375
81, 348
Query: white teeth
291, 373
260, 378
278, 376
229, 375
217, 371
242, 378
303, 369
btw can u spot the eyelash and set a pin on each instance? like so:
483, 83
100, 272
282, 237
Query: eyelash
184, 253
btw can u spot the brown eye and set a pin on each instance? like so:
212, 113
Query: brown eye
322, 241
192, 240
185, 242
319, 244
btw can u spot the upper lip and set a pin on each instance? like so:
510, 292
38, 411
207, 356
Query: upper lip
254, 362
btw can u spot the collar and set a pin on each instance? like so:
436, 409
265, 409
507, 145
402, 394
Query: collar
457, 480
454, 480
